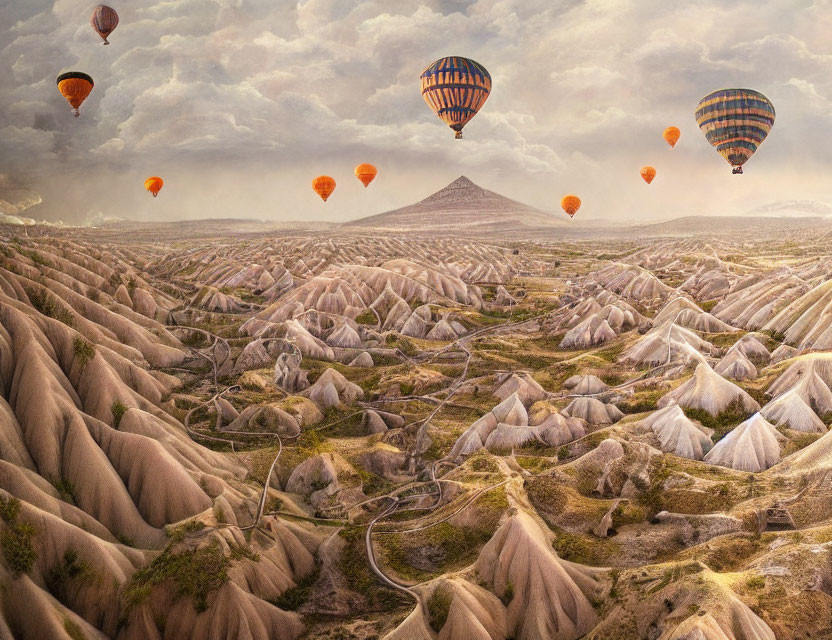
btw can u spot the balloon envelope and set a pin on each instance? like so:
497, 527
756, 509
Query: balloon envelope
75, 87
571, 204
648, 173
323, 186
455, 88
671, 136
104, 20
735, 122
366, 173
154, 184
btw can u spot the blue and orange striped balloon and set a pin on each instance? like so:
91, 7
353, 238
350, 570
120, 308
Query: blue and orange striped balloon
455, 88
735, 122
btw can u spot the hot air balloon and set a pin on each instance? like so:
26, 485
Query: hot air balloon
671, 136
735, 122
75, 87
154, 184
455, 88
648, 173
571, 204
323, 186
365, 172
104, 20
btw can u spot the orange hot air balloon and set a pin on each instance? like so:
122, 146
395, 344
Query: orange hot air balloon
104, 20
75, 87
366, 172
648, 173
154, 184
571, 204
323, 186
671, 135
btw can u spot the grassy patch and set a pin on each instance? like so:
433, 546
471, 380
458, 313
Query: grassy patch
641, 401
439, 605
355, 567
196, 573
584, 549
366, 317
178, 533
118, 409
721, 424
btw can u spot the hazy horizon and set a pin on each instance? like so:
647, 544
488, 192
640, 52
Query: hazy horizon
239, 104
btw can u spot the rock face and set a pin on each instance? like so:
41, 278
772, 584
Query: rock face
549, 595
585, 385
709, 391
736, 365
593, 411
752, 446
678, 434
288, 375
791, 410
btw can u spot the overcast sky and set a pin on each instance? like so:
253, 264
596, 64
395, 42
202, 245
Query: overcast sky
238, 104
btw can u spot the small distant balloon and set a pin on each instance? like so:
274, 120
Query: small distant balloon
571, 204
104, 20
735, 122
455, 88
154, 184
648, 173
671, 136
75, 87
323, 186
366, 173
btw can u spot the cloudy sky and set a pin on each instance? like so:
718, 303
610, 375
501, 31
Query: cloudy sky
238, 104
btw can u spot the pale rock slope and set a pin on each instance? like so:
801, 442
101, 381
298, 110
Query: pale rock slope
753, 446
678, 434
709, 391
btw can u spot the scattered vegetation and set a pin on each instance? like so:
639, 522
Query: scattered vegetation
48, 305
195, 573
118, 409
293, 598
178, 533
366, 317
439, 605
84, 351
17, 538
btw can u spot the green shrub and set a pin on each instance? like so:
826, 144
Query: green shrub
439, 605
366, 317
178, 533
508, 594
9, 509
84, 351
18, 549
118, 409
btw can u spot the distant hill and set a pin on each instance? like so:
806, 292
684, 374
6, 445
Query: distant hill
697, 225
462, 206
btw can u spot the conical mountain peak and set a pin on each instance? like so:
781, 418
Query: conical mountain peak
461, 204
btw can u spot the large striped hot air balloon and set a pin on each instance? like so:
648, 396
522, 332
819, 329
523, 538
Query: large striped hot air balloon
455, 88
323, 186
735, 122
75, 87
104, 20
